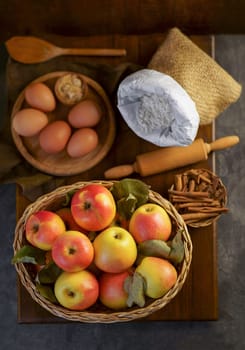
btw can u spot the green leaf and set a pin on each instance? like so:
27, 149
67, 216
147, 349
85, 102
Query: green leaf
47, 292
135, 187
126, 206
49, 273
129, 194
171, 250
29, 254
177, 252
154, 247
135, 287
68, 197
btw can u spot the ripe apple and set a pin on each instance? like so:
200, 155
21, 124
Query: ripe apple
76, 290
120, 221
160, 275
93, 207
72, 251
150, 221
66, 216
112, 293
115, 250
43, 227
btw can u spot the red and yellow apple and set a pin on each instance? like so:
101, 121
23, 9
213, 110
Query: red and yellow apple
115, 250
119, 220
159, 274
150, 221
76, 290
93, 207
66, 216
43, 227
111, 290
72, 251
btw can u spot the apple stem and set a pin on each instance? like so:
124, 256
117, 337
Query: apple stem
72, 251
70, 293
87, 205
35, 228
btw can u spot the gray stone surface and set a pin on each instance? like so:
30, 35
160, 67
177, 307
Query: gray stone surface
226, 333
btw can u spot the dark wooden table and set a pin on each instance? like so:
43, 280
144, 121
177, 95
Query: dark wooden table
198, 299
71, 18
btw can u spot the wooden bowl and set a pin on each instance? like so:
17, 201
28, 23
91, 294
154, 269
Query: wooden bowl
61, 164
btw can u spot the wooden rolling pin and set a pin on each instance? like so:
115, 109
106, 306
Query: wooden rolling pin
168, 158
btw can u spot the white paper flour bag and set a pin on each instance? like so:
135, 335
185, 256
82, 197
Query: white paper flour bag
157, 108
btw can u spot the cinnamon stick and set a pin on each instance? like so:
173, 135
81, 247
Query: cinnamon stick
199, 204
204, 178
197, 216
192, 185
189, 194
208, 209
178, 182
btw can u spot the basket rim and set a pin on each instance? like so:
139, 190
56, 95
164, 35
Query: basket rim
93, 316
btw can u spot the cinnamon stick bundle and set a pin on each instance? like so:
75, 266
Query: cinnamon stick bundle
199, 196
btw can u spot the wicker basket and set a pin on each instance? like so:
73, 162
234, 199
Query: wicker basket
203, 180
99, 313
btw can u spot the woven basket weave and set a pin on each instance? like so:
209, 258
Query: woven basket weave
99, 313
211, 87
222, 198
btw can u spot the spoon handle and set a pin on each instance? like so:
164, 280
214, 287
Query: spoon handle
93, 52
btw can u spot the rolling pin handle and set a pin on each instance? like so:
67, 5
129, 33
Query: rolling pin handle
222, 143
119, 171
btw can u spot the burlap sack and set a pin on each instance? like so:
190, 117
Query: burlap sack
208, 84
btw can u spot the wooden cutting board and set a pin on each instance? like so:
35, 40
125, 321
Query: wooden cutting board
198, 299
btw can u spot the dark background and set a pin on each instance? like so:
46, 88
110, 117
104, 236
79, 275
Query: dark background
85, 17
224, 19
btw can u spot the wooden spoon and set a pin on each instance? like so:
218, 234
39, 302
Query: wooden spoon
29, 49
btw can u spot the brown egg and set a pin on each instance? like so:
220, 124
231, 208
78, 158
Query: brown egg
82, 142
40, 96
29, 121
86, 113
54, 137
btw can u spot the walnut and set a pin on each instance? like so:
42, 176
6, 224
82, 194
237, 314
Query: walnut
70, 88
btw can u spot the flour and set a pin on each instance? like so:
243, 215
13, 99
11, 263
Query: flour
157, 108
154, 113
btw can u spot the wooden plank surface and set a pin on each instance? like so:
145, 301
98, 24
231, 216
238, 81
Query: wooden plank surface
84, 18
198, 298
